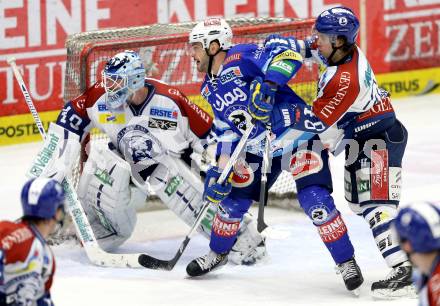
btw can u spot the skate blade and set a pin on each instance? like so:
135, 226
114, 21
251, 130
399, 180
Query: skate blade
356, 292
386, 294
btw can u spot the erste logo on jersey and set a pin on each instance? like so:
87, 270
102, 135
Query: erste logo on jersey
164, 112
240, 118
159, 118
107, 116
230, 74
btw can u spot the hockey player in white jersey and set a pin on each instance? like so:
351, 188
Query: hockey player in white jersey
352, 113
150, 124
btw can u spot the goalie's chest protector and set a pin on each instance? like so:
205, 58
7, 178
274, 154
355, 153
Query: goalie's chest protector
160, 114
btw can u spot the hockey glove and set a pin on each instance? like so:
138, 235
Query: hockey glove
275, 43
215, 192
260, 100
283, 116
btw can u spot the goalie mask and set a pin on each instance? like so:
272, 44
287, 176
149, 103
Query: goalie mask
123, 74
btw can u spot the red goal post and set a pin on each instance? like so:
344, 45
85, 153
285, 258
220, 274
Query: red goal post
165, 51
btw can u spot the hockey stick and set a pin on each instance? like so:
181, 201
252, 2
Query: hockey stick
261, 225
84, 231
155, 263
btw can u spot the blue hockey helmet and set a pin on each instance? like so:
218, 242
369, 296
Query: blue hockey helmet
419, 224
41, 197
338, 21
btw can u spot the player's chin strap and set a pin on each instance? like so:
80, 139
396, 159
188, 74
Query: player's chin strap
211, 60
330, 58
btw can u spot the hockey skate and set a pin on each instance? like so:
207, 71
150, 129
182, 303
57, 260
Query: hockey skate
351, 274
397, 284
206, 263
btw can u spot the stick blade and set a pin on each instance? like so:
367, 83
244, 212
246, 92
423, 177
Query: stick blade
150, 262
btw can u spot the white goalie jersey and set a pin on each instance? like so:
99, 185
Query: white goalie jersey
167, 115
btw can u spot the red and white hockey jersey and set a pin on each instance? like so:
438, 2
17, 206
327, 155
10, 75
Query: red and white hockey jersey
27, 265
169, 115
430, 293
349, 101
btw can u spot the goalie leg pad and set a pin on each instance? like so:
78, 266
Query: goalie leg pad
181, 191
105, 193
318, 204
250, 245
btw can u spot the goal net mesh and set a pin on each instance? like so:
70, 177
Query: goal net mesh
164, 50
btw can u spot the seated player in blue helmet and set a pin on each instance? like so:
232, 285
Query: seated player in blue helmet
27, 264
418, 229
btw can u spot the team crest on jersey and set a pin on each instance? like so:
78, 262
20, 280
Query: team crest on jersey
138, 144
304, 163
243, 174
240, 118
230, 74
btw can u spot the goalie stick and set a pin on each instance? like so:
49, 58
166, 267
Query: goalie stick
155, 263
84, 231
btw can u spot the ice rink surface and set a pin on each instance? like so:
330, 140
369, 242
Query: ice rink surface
298, 271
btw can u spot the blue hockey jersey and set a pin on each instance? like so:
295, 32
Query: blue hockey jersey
228, 94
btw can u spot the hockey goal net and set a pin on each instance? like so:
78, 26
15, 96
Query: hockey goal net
165, 52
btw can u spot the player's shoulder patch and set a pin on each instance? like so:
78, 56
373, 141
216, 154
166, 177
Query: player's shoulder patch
88, 98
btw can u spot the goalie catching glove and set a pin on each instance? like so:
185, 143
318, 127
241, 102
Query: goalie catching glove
261, 99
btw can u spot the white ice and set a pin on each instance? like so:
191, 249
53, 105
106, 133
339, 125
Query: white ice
299, 270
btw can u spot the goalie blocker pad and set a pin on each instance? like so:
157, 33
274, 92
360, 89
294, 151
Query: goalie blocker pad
57, 156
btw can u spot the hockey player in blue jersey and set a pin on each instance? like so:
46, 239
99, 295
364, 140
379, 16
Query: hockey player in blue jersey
352, 114
231, 72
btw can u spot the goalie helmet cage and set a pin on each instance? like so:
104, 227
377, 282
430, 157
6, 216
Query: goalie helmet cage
164, 50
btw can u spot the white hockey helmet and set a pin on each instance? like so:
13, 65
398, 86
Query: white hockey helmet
210, 30
123, 74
